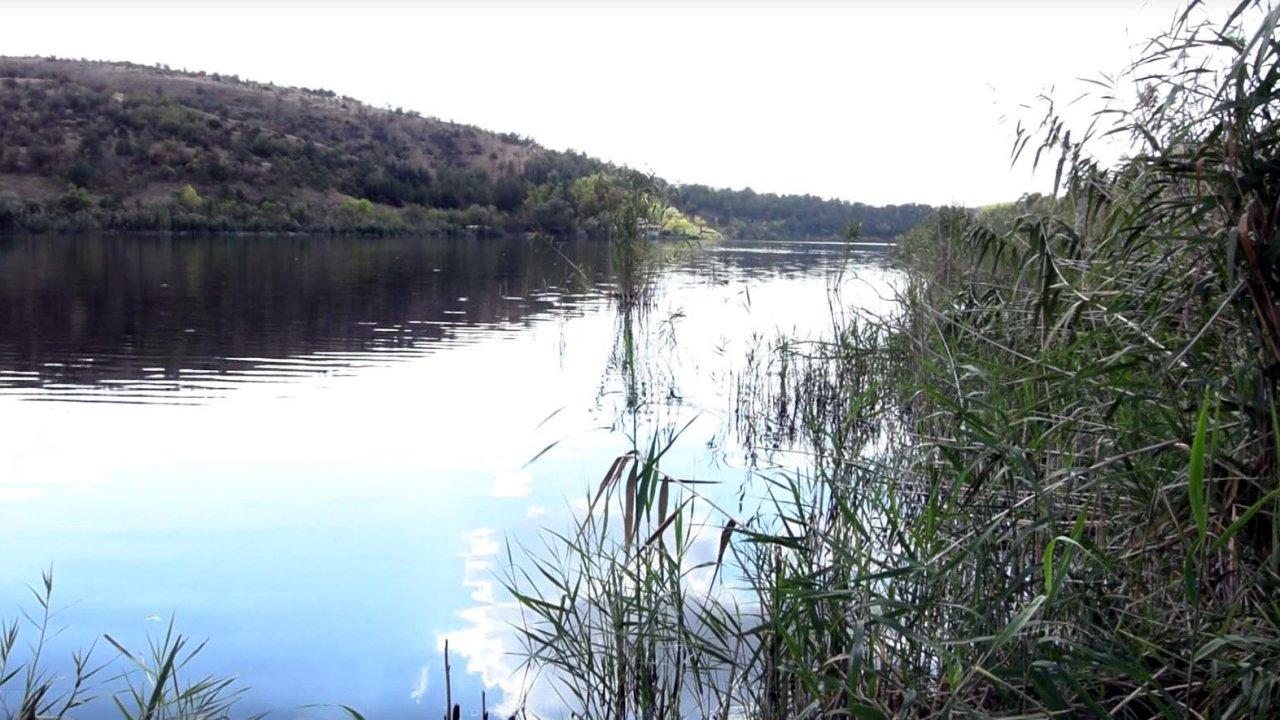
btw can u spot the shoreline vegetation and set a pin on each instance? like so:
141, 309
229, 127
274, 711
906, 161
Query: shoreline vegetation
95, 146
1047, 486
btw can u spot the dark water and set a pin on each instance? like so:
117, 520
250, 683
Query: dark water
310, 450
129, 319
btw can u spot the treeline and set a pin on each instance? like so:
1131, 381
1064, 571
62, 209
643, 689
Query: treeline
120, 147
746, 212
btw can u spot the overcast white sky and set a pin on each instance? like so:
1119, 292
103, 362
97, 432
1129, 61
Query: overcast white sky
879, 102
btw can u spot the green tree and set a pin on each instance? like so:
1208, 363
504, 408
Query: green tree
10, 209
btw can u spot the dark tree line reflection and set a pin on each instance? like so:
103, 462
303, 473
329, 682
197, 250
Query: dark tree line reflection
86, 310
145, 314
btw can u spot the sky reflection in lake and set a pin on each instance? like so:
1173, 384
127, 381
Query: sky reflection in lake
312, 450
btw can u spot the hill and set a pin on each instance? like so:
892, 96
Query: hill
766, 215
121, 147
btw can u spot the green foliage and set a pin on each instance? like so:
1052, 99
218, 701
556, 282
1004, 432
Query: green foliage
596, 196
617, 627
766, 215
156, 687
1045, 487
188, 197
361, 208
136, 133
678, 224
75, 200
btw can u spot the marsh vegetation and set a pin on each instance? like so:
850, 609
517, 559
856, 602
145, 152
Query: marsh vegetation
1047, 486
1045, 483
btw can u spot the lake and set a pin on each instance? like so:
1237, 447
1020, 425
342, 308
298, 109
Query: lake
311, 451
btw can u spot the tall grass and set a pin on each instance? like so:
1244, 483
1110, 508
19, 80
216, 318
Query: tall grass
1048, 487
156, 683
610, 616
153, 685
27, 688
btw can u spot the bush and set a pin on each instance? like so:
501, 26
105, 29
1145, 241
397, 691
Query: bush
188, 197
75, 200
10, 209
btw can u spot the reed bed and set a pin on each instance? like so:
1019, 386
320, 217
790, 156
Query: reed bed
1048, 487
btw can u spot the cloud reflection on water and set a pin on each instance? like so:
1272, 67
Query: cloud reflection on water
694, 339
327, 506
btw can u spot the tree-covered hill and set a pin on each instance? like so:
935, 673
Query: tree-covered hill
116, 146
746, 212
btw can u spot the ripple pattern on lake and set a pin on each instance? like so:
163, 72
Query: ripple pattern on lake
186, 320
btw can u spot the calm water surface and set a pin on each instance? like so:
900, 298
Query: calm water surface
311, 450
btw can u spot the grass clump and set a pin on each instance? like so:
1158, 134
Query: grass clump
611, 618
152, 685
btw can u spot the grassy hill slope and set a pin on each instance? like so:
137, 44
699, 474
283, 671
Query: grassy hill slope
117, 146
